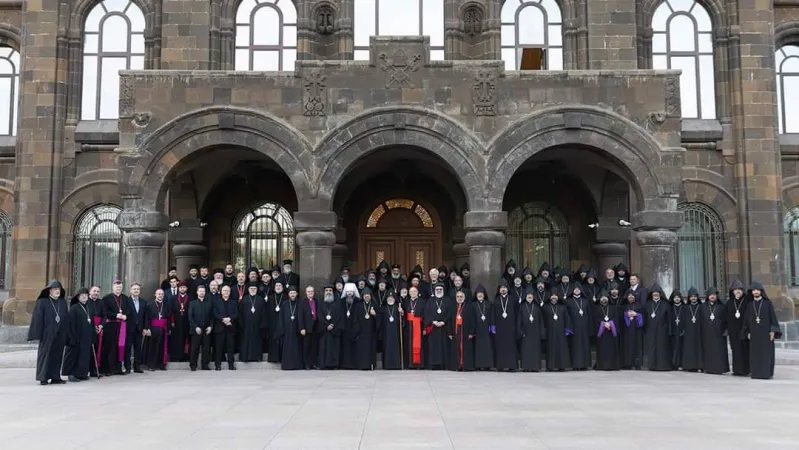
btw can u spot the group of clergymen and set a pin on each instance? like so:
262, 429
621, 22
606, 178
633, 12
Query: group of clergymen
412, 321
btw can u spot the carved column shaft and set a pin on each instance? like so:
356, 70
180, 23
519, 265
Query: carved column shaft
186, 255
144, 238
657, 258
485, 236
315, 239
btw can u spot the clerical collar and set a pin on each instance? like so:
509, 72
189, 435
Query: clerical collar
757, 299
159, 301
200, 298
53, 298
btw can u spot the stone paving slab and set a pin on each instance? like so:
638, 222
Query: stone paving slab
401, 410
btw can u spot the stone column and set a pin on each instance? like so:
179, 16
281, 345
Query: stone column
144, 238
656, 237
608, 254
186, 255
315, 239
340, 250
485, 236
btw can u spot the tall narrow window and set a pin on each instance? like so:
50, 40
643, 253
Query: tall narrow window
263, 236
537, 233
787, 61
97, 257
399, 18
9, 90
532, 35
266, 35
792, 246
5, 250
700, 249
113, 40
683, 39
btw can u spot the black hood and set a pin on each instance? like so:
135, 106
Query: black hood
693, 291
74, 299
384, 265
591, 274
526, 271
758, 285
480, 288
676, 294
621, 267
737, 285
465, 266
544, 266
45, 293
656, 288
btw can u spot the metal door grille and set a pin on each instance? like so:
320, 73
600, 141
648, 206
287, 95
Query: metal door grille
537, 233
263, 236
97, 252
700, 249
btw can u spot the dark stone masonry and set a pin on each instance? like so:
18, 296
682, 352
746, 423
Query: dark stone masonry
612, 159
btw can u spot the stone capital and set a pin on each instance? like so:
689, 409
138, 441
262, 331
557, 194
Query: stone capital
656, 238
144, 239
316, 238
657, 220
315, 220
138, 220
485, 220
485, 238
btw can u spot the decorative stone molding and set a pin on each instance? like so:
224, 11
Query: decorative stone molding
325, 19
473, 15
314, 103
399, 68
672, 96
126, 97
483, 94
141, 119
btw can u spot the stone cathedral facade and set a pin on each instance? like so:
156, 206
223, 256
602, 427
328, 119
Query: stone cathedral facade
140, 134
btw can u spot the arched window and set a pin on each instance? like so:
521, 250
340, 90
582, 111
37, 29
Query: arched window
682, 38
5, 250
700, 249
537, 233
792, 245
787, 63
403, 203
97, 256
113, 40
399, 18
532, 29
263, 236
9, 90
266, 35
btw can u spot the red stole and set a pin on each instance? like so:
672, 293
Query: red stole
459, 327
416, 337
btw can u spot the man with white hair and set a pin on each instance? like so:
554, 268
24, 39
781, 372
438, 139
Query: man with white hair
437, 315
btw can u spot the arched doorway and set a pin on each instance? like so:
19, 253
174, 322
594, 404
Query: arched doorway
402, 231
263, 236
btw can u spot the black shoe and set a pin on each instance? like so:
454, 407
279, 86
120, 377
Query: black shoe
73, 379
163, 367
151, 369
193, 369
138, 370
206, 368
43, 383
218, 368
83, 378
58, 381
231, 367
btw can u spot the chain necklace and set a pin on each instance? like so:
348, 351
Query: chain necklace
292, 308
655, 311
390, 312
278, 301
580, 305
252, 304
677, 308
88, 319
757, 311
712, 308
160, 306
504, 305
554, 314
738, 306
693, 312
481, 308
529, 306
439, 302
55, 308
606, 311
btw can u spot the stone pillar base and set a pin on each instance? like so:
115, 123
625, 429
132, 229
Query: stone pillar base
17, 311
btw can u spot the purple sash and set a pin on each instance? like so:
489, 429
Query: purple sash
99, 353
123, 332
161, 323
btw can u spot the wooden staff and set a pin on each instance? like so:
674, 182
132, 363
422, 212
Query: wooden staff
96, 363
402, 352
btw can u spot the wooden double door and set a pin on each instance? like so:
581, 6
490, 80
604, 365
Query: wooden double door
407, 250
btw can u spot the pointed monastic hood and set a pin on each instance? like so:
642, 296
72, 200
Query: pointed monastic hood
693, 291
759, 286
737, 285
656, 288
75, 299
480, 288
45, 293
544, 266
675, 294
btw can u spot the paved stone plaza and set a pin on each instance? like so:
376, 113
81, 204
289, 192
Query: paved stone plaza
256, 409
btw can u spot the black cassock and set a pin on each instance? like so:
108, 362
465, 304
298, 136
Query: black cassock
413, 339
738, 343
329, 340
504, 322
676, 334
369, 325
531, 330
607, 340
78, 355
287, 330
582, 327
714, 338
114, 354
632, 338
438, 310
462, 331
483, 321
156, 346
391, 324
657, 337
252, 322
349, 338
760, 319
557, 346
50, 326
179, 337
692, 359
272, 315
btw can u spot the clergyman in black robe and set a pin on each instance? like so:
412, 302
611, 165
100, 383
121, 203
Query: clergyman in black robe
437, 315
252, 321
484, 322
50, 326
632, 339
117, 308
657, 328
156, 328
736, 308
79, 354
330, 328
504, 329
273, 303
557, 323
606, 319
288, 277
692, 359
714, 334
226, 321
391, 324
352, 327
179, 324
678, 310
201, 320
366, 313
761, 328
580, 312
461, 334
531, 331
288, 331
414, 334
